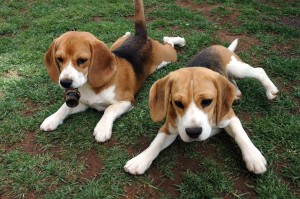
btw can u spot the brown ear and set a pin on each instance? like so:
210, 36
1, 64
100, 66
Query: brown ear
102, 65
51, 65
159, 98
225, 97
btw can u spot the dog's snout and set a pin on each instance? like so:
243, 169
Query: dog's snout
193, 132
66, 83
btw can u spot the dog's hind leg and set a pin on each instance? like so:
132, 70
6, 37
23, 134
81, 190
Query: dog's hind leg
163, 54
180, 41
239, 69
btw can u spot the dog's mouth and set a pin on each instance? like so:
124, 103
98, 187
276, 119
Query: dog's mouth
71, 97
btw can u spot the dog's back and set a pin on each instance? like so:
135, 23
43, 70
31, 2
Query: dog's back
137, 48
215, 58
208, 58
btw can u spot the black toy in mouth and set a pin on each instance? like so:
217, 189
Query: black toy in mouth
71, 97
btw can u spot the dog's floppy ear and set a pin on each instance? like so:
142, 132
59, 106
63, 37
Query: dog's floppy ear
159, 98
102, 64
225, 97
51, 64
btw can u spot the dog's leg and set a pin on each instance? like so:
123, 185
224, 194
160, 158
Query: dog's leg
180, 41
103, 129
164, 53
255, 161
239, 69
53, 121
140, 163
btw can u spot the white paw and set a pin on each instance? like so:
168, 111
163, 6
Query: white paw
102, 132
272, 93
138, 165
255, 161
51, 123
238, 97
180, 41
127, 34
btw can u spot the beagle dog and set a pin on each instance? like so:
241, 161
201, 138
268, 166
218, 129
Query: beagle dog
196, 102
107, 79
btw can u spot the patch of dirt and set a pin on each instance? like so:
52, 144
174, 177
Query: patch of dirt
96, 18
93, 163
293, 22
111, 143
245, 41
139, 188
243, 184
245, 116
11, 74
197, 7
150, 8
231, 18
160, 182
24, 28
29, 145
32, 195
141, 145
207, 9
30, 109
286, 49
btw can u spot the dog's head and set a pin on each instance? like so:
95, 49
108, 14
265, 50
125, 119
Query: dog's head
194, 99
76, 58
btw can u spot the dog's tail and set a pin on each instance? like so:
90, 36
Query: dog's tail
139, 19
233, 45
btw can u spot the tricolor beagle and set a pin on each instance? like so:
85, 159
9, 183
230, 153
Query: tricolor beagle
196, 102
107, 79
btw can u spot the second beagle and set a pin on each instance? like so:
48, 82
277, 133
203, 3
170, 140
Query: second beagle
196, 102
107, 79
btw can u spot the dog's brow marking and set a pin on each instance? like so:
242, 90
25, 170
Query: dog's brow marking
191, 88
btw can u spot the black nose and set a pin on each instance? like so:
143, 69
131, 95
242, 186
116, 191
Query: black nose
193, 132
66, 83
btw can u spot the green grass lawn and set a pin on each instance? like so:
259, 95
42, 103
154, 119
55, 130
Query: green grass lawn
68, 163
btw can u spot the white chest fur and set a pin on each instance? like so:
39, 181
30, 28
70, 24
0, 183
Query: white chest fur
98, 101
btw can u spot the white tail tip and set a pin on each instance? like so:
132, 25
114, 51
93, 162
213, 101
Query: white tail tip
233, 45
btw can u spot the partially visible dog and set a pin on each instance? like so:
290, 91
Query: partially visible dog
226, 62
196, 102
107, 79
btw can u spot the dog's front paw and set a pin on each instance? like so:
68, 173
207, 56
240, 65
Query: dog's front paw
51, 123
102, 132
272, 93
255, 161
138, 165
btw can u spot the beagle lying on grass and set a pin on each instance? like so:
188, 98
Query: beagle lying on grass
196, 102
107, 79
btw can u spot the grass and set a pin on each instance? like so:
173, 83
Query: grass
68, 163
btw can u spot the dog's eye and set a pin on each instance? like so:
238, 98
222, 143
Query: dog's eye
179, 104
206, 102
60, 59
81, 61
